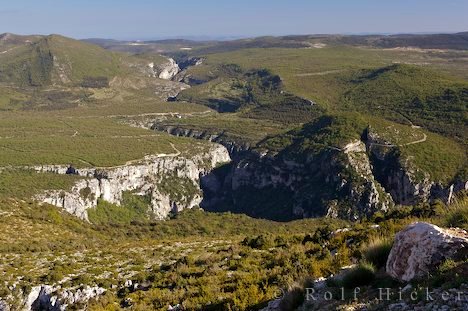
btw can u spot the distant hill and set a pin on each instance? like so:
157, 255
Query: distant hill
457, 41
53, 59
180, 48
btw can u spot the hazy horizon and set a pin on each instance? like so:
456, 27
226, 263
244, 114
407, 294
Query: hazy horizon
228, 38
209, 19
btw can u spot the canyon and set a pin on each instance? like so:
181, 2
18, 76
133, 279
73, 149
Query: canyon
142, 177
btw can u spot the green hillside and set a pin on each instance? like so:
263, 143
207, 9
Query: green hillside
412, 95
58, 60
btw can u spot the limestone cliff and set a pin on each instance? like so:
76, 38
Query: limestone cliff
337, 183
164, 71
143, 178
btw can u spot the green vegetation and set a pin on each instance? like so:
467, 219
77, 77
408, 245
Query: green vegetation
361, 275
230, 127
132, 208
33, 64
83, 142
68, 102
23, 184
327, 132
439, 157
442, 158
258, 94
377, 250
345, 78
199, 260
457, 212
405, 92
178, 189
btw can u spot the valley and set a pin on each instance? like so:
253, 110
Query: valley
183, 175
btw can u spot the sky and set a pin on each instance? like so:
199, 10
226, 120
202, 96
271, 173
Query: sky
155, 19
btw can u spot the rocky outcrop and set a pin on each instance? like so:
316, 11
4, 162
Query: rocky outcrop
168, 70
368, 192
421, 247
46, 297
165, 71
337, 183
232, 146
146, 177
185, 64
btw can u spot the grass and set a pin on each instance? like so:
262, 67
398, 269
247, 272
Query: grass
361, 275
457, 213
407, 92
36, 140
328, 131
258, 93
189, 259
229, 126
440, 157
198, 259
443, 159
376, 251
315, 73
24, 184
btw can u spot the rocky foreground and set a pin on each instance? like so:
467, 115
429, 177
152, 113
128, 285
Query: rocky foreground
407, 282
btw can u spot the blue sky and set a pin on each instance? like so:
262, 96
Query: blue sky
146, 19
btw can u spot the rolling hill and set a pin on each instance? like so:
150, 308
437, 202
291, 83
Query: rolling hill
328, 143
54, 59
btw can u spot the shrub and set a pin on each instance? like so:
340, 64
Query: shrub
95, 82
361, 275
260, 242
85, 192
377, 251
447, 265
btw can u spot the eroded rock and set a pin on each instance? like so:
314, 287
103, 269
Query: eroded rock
46, 297
169, 70
142, 178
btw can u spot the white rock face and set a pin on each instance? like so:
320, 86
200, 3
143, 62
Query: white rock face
143, 178
169, 70
377, 199
46, 297
32, 297
4, 306
421, 246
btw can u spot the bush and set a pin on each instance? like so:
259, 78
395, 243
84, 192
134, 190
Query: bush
363, 274
260, 242
95, 82
377, 250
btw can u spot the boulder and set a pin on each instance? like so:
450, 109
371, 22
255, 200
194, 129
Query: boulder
421, 247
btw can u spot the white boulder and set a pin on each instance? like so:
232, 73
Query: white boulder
421, 247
